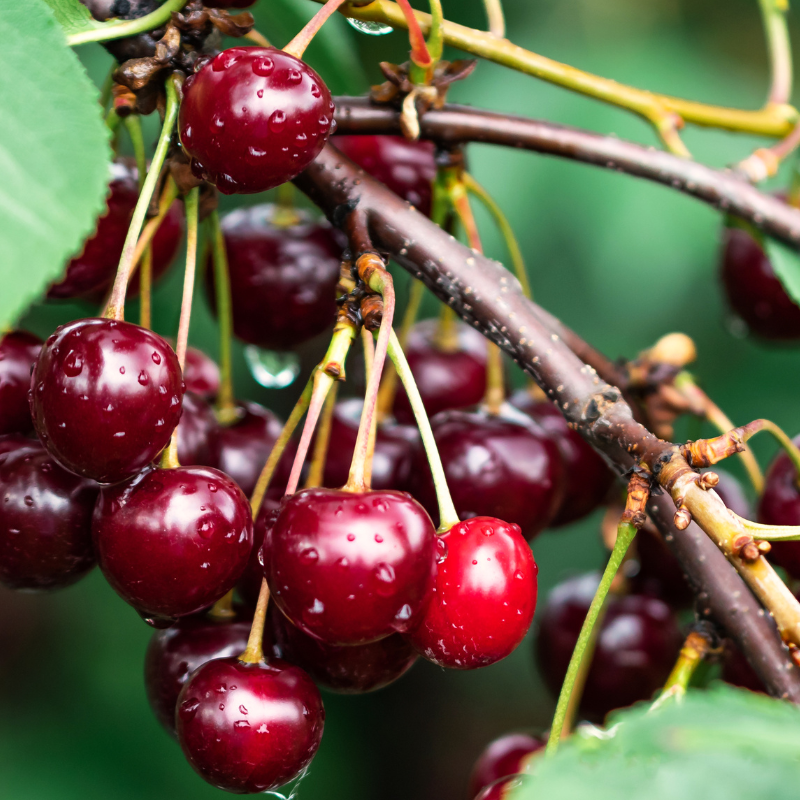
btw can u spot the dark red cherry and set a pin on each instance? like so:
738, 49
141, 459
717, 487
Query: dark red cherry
446, 378
241, 450
484, 596
354, 669
754, 291
283, 276
105, 397
197, 432
253, 118
92, 272
395, 448
503, 789
780, 505
737, 671
503, 466
405, 167
637, 646
14, 441
249, 584
501, 758
201, 374
351, 567
18, 353
587, 476
172, 541
249, 728
45, 521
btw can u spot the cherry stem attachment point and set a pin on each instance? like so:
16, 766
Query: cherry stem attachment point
316, 468
300, 42
254, 652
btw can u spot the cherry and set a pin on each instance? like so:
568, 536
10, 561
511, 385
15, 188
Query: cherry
175, 653
173, 541
587, 476
92, 272
737, 671
249, 584
18, 353
45, 521
753, 289
241, 450
351, 567
249, 728
393, 458
484, 596
253, 118
501, 758
283, 277
502, 466
201, 374
445, 378
197, 431
14, 441
636, 648
105, 397
405, 167
502, 789
780, 505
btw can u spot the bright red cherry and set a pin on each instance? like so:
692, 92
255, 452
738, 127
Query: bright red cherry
172, 541
45, 521
753, 289
502, 789
503, 466
405, 167
253, 118
241, 450
105, 397
484, 597
393, 459
637, 646
197, 432
175, 653
501, 758
587, 476
283, 276
446, 377
18, 353
351, 567
201, 374
249, 728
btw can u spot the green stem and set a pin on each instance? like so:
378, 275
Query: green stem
694, 650
779, 46
789, 447
316, 468
254, 652
113, 121
133, 125
769, 533
447, 511
495, 17
192, 213
118, 29
625, 534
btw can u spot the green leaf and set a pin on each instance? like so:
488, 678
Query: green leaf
785, 261
73, 16
54, 154
720, 744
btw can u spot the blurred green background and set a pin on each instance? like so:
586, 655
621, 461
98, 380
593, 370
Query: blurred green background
620, 260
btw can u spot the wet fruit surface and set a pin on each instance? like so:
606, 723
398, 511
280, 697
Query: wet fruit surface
197, 432
173, 541
501, 758
484, 596
254, 118
351, 568
249, 728
105, 397
201, 374
249, 584
18, 353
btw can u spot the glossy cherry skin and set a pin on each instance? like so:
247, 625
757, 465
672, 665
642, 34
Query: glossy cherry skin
253, 118
249, 585
393, 459
587, 477
445, 379
197, 432
249, 728
283, 277
45, 521
637, 646
241, 450
172, 541
754, 291
484, 596
14, 441
175, 653
501, 758
351, 567
92, 272
501, 789
780, 505
503, 466
18, 353
201, 374
105, 397
407, 168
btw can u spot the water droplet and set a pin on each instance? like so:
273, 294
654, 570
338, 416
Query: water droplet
156, 358
212, 487
385, 575
205, 527
342, 562
188, 708
404, 613
370, 28
222, 706
315, 90
28, 501
351, 537
217, 121
474, 561
441, 549
122, 370
73, 364
260, 93
277, 121
143, 378
241, 723
317, 607
271, 369
519, 575
301, 138
225, 59
242, 710
263, 66
309, 555
378, 538
487, 531
294, 76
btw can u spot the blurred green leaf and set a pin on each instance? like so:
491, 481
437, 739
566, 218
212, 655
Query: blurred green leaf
73, 16
53, 154
785, 261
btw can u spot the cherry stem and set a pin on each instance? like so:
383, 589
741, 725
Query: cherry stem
116, 304
369, 363
436, 35
254, 652
790, 448
225, 406
494, 14
192, 207
316, 469
117, 29
495, 380
779, 45
223, 608
419, 48
108, 85
625, 533
298, 45
284, 213
146, 289
695, 648
133, 125
447, 511
258, 38
769, 533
